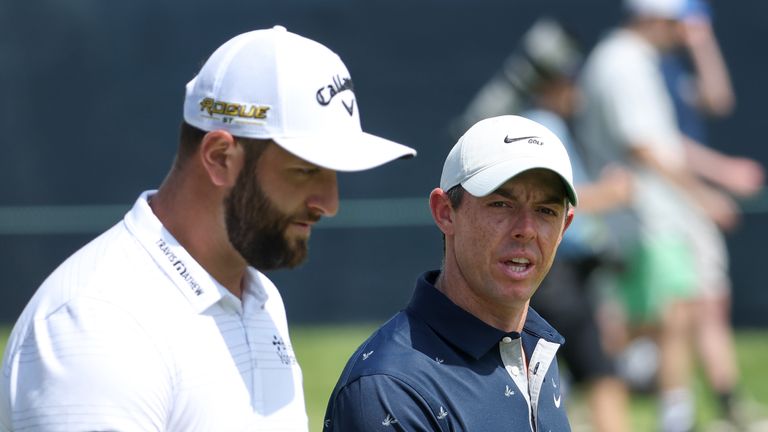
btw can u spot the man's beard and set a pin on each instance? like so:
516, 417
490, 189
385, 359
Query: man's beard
257, 229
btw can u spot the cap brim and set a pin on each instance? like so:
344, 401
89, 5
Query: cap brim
488, 180
357, 152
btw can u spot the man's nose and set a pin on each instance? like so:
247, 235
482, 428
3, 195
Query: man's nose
524, 225
325, 197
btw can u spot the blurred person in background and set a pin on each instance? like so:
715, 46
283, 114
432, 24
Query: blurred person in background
166, 322
569, 296
700, 86
675, 246
538, 82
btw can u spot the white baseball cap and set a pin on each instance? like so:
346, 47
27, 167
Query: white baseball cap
274, 84
667, 9
498, 148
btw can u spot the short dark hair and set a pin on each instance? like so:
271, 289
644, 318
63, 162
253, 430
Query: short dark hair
253, 149
455, 195
190, 138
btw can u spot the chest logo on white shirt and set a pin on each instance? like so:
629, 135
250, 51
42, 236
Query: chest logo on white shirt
284, 351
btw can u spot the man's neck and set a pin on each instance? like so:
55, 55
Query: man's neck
199, 227
511, 319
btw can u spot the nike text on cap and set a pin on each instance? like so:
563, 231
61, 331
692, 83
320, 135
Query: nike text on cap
498, 148
274, 84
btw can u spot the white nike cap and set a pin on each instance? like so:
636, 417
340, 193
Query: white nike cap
274, 84
498, 148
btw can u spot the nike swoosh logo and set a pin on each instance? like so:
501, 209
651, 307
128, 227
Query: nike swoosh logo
557, 400
508, 140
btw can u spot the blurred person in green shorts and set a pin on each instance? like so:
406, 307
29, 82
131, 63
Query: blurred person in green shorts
628, 117
699, 83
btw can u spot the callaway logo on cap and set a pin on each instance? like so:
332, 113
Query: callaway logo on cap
274, 84
498, 148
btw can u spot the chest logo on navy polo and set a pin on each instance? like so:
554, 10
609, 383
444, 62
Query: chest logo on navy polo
508, 392
556, 398
442, 414
389, 420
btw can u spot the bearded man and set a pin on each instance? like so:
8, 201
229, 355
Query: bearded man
165, 322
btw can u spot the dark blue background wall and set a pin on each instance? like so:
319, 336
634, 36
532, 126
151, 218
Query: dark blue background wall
91, 101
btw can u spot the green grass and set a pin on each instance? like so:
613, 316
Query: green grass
5, 331
323, 351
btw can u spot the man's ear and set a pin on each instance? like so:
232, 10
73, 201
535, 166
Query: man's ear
222, 157
568, 218
442, 212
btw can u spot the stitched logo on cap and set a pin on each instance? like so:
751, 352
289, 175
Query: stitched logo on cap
531, 140
232, 109
325, 94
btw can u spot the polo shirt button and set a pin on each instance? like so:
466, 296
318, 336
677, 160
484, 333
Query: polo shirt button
507, 339
515, 370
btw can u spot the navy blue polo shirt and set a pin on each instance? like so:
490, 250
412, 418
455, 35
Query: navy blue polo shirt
436, 367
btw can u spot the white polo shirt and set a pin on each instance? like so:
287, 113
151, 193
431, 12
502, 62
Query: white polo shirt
626, 105
627, 102
132, 334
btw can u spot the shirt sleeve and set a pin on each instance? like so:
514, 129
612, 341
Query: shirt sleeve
381, 403
87, 366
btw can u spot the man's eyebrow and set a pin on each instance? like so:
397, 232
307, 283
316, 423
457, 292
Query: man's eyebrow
549, 199
504, 193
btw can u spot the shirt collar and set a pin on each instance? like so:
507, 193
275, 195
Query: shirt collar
192, 280
537, 326
463, 329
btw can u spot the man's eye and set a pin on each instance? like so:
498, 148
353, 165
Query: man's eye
499, 204
548, 211
307, 170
